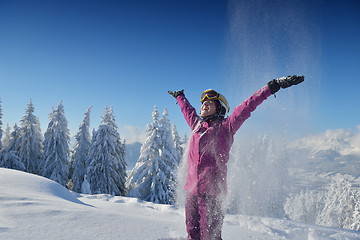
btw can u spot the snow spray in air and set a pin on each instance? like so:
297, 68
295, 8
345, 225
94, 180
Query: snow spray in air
181, 176
268, 39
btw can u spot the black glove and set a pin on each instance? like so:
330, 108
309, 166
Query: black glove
176, 93
284, 82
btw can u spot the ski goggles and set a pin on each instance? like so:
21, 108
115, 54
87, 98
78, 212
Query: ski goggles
212, 95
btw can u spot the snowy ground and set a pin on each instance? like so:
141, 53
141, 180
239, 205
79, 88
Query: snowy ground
32, 207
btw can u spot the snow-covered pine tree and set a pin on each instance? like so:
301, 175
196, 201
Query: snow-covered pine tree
6, 137
80, 152
55, 160
88, 159
106, 172
152, 178
47, 136
356, 215
144, 173
169, 154
339, 207
9, 158
348, 202
177, 143
304, 206
31, 141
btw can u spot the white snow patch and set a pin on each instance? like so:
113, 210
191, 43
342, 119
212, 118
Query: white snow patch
33, 207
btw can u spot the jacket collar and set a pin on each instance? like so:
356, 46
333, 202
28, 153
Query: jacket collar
213, 119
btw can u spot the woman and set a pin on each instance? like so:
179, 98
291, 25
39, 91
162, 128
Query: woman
210, 143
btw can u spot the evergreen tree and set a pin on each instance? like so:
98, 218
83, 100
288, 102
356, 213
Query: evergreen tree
80, 152
7, 136
339, 207
55, 160
152, 178
356, 215
88, 159
168, 146
9, 158
31, 141
348, 208
169, 154
106, 172
305, 206
177, 143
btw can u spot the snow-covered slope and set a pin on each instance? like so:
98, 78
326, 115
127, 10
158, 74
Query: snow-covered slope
32, 207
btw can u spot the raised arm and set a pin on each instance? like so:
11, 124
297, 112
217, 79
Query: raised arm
187, 109
243, 111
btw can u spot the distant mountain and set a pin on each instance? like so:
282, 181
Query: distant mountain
316, 159
340, 140
132, 154
335, 151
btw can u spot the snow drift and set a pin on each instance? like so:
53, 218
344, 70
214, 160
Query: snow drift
33, 207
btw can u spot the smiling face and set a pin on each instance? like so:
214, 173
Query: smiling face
208, 108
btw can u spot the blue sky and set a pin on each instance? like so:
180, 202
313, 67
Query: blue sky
127, 54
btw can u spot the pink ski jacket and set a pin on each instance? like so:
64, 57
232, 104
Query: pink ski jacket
210, 144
